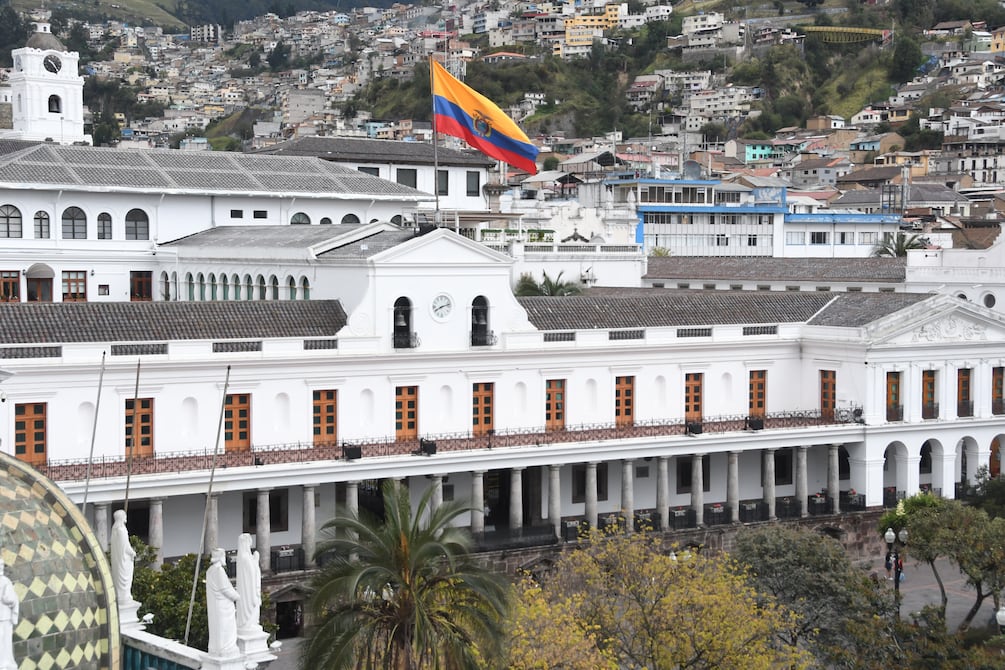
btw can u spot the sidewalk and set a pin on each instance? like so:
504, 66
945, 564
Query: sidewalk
919, 588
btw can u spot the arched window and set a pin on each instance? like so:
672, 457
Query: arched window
325, 221
165, 286
74, 224
191, 286
137, 225
174, 286
10, 221
249, 288
398, 220
481, 336
300, 219
274, 284
225, 287
236, 281
402, 333
55, 104
42, 225
104, 226
305, 288
350, 218
201, 280
212, 286
261, 287
291, 283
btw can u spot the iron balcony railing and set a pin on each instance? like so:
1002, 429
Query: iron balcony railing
965, 408
483, 338
405, 340
895, 413
930, 410
299, 452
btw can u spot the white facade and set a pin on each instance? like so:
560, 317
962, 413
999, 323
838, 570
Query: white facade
529, 473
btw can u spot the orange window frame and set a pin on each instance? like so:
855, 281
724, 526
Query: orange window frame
693, 382
406, 413
554, 404
30, 428
757, 392
828, 393
237, 422
624, 401
482, 408
143, 416
325, 417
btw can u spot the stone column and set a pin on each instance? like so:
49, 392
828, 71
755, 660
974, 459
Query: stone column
516, 499
769, 482
263, 532
212, 523
628, 493
833, 477
352, 499
101, 524
733, 486
478, 501
591, 495
308, 527
555, 499
437, 498
698, 489
157, 531
663, 492
802, 495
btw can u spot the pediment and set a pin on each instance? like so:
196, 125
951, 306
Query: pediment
955, 325
440, 247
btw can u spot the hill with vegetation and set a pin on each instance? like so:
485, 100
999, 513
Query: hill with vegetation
588, 97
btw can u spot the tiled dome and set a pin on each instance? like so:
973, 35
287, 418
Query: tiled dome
45, 41
68, 616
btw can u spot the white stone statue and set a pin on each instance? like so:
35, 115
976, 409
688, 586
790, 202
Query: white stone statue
9, 610
123, 556
221, 608
249, 586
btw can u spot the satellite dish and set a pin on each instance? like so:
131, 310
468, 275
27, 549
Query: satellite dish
692, 169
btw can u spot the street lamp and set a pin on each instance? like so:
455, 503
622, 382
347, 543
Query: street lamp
894, 543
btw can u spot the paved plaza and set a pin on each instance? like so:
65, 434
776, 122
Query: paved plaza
919, 588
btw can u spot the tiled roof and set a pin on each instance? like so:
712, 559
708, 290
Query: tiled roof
852, 310
654, 308
369, 246
38, 323
697, 268
916, 193
268, 237
80, 168
358, 150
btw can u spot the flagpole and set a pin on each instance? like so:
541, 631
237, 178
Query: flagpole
436, 143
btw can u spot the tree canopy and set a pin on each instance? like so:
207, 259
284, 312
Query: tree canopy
403, 592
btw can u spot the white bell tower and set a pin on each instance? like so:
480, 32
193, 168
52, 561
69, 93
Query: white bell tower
47, 93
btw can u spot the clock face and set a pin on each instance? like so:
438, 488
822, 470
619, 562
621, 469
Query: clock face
442, 306
52, 63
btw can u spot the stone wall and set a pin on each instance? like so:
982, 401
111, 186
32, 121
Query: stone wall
857, 532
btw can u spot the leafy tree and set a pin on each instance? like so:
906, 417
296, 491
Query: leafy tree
404, 592
526, 285
550, 163
279, 56
906, 59
545, 633
14, 32
166, 593
898, 245
929, 521
655, 609
810, 574
989, 493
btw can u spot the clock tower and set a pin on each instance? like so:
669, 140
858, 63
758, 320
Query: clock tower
47, 93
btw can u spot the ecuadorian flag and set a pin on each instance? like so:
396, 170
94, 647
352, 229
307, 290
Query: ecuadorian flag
463, 112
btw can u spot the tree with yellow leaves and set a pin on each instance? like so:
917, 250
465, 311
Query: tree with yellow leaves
652, 608
544, 634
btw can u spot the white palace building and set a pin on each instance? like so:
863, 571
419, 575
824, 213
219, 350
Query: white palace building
158, 307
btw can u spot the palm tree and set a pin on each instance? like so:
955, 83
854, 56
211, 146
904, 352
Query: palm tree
898, 245
548, 286
403, 593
